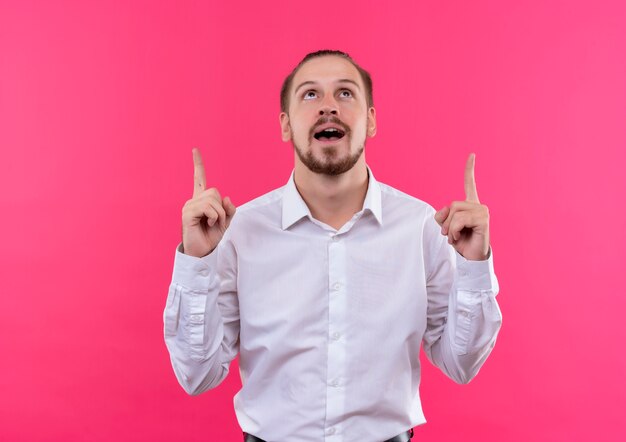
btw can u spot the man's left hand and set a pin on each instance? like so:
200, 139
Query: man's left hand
466, 223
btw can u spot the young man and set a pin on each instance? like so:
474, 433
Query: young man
327, 286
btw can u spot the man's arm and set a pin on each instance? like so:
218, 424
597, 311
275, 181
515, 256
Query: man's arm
463, 317
201, 318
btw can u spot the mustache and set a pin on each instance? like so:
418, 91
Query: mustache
326, 120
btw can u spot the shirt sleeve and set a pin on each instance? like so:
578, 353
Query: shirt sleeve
201, 317
463, 316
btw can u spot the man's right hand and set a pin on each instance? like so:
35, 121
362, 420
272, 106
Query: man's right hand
206, 216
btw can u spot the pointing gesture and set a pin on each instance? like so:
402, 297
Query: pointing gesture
206, 216
466, 223
471, 194
199, 177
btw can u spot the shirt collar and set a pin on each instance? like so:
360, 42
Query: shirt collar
294, 207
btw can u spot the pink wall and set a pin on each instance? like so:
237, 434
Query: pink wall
101, 103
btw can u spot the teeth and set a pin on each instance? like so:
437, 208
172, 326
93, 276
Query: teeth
330, 133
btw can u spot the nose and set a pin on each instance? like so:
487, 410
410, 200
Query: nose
328, 106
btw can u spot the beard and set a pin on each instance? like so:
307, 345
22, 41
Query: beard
331, 164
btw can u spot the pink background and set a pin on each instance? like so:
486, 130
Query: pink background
101, 103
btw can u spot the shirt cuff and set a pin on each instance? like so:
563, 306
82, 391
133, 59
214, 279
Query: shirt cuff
475, 275
194, 273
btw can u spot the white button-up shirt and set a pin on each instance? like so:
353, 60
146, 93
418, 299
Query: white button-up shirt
328, 323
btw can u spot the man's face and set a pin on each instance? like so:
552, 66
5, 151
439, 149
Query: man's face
328, 119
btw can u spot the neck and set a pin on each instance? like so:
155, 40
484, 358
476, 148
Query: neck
333, 199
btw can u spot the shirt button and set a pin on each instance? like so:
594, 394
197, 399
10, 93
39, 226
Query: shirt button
336, 336
334, 383
196, 318
464, 313
335, 238
330, 431
336, 286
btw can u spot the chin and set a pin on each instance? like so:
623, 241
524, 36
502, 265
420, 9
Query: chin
331, 159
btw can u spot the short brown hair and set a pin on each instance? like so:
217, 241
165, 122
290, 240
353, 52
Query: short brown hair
365, 76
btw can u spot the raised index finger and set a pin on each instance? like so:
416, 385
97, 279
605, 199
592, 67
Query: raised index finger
199, 179
471, 194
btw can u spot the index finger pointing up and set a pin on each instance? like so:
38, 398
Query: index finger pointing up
199, 178
471, 194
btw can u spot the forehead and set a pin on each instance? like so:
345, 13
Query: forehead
326, 69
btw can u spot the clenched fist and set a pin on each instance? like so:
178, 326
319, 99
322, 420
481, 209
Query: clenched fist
206, 216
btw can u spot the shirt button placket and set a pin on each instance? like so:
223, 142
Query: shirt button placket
337, 317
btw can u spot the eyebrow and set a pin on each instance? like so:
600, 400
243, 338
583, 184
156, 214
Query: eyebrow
343, 80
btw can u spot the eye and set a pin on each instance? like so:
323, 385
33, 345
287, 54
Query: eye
346, 93
309, 94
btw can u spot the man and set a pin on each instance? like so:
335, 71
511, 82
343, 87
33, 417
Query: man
327, 286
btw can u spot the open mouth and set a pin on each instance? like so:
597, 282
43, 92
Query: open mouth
329, 134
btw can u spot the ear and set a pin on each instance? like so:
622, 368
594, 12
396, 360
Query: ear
285, 128
371, 122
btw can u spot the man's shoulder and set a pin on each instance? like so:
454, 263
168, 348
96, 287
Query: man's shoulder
394, 198
273, 197
263, 210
